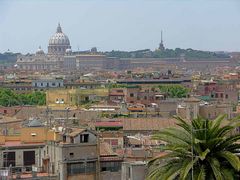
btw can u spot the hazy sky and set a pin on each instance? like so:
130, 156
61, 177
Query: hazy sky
121, 24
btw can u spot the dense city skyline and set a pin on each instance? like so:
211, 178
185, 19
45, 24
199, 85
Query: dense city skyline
120, 24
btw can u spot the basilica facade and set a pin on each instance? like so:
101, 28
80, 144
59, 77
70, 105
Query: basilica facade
58, 49
61, 57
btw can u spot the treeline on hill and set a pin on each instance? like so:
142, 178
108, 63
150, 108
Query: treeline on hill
8, 58
10, 98
167, 53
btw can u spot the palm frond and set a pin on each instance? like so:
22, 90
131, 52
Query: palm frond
202, 174
215, 149
233, 159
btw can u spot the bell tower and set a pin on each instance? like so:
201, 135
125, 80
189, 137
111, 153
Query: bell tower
161, 46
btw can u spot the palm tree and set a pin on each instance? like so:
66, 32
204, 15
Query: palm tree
200, 149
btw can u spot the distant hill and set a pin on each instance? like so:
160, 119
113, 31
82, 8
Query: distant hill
11, 58
8, 58
167, 53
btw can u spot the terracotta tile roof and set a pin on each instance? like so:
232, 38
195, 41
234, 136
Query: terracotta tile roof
106, 149
134, 141
116, 94
115, 158
147, 124
111, 134
19, 143
145, 140
135, 108
192, 99
109, 124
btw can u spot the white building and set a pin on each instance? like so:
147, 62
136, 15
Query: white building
47, 83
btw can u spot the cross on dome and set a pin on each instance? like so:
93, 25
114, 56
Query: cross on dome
59, 29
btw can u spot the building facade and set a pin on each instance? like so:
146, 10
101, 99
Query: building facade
59, 45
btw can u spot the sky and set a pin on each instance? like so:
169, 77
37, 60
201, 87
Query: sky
212, 25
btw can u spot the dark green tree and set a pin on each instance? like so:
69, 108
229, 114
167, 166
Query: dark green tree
174, 90
10, 98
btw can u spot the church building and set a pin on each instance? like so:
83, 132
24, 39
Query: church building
59, 46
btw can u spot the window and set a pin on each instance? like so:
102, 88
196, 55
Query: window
64, 138
41, 84
84, 138
9, 158
226, 96
110, 166
114, 142
71, 155
28, 158
131, 95
129, 172
33, 134
103, 169
81, 168
71, 139
62, 101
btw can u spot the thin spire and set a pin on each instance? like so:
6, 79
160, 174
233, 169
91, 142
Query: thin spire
161, 46
59, 29
161, 37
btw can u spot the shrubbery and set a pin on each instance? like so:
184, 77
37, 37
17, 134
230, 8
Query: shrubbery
10, 98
